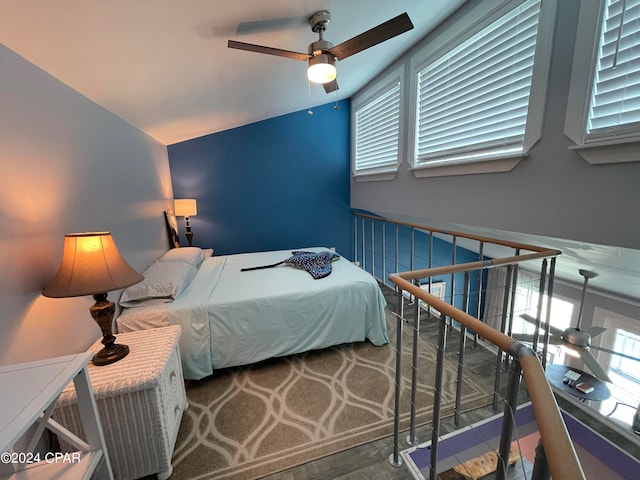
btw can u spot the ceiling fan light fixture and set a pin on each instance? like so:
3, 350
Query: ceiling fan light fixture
321, 69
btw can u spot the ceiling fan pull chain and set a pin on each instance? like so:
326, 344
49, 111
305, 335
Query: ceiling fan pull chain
309, 111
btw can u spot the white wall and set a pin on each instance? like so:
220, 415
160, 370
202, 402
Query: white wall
66, 165
553, 193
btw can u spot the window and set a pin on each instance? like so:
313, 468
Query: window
629, 344
376, 130
481, 100
526, 306
603, 114
525, 309
622, 335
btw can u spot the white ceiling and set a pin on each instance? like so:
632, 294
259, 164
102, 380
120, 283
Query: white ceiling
164, 65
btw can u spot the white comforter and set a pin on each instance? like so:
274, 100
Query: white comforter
229, 317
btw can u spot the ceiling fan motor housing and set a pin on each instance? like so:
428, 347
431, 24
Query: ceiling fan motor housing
320, 47
322, 61
577, 337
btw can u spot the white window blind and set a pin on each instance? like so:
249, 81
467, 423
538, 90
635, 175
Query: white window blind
615, 99
472, 103
377, 127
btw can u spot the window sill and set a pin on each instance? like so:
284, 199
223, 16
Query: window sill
469, 168
375, 176
602, 153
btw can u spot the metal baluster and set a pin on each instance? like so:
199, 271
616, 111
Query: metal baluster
411, 248
384, 252
397, 249
511, 402
437, 396
543, 278
453, 276
545, 348
540, 465
514, 285
461, 347
479, 299
394, 458
355, 239
430, 258
373, 249
500, 356
512, 303
363, 245
411, 438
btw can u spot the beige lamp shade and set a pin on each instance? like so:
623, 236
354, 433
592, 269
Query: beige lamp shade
185, 207
91, 264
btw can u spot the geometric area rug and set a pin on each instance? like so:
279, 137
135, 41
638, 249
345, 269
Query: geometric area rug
250, 421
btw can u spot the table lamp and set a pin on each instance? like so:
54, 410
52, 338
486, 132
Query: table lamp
92, 265
186, 207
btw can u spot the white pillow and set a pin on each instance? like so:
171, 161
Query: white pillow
162, 283
191, 255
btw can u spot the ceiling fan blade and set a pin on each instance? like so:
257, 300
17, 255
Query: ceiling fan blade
593, 364
250, 47
389, 29
613, 352
528, 318
595, 331
331, 86
552, 330
522, 337
270, 25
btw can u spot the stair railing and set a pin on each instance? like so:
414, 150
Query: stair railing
558, 448
555, 454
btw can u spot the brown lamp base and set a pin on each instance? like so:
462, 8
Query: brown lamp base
110, 354
102, 312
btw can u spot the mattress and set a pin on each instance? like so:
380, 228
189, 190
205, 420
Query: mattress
232, 317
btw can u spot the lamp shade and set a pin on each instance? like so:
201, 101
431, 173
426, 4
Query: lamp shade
185, 207
91, 264
321, 69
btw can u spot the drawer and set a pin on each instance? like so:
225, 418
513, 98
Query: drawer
174, 398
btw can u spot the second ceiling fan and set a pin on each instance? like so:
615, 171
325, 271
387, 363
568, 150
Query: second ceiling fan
322, 54
578, 339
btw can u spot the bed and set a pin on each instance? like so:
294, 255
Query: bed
231, 317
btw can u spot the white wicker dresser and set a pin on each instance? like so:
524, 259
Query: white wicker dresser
140, 400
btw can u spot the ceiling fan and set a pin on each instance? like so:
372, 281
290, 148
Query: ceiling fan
577, 339
322, 54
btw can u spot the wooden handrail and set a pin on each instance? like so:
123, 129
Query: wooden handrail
478, 265
561, 456
470, 236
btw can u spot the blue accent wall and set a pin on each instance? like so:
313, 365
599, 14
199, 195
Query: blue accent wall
280, 183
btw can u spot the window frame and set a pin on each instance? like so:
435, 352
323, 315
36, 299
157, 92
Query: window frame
484, 14
616, 149
612, 321
371, 93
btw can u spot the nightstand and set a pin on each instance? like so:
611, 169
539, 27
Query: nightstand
33, 388
140, 400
